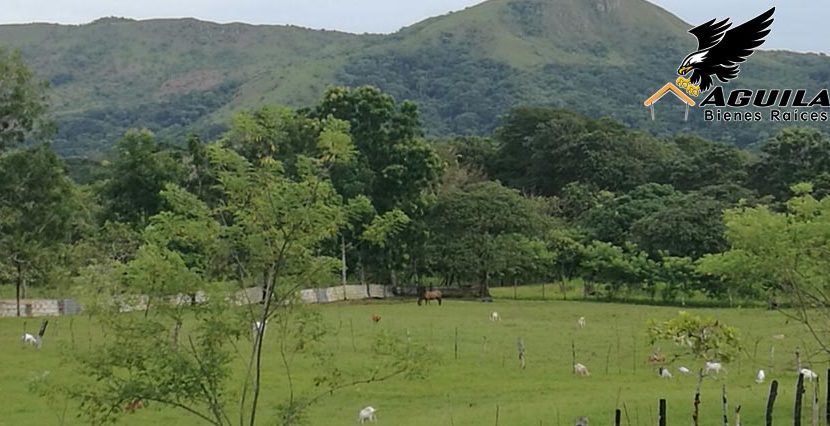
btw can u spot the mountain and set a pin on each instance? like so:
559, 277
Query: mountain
464, 69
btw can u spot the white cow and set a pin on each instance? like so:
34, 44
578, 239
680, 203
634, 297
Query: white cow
759, 378
714, 367
256, 326
31, 340
581, 370
809, 374
683, 370
664, 373
367, 415
494, 316
581, 322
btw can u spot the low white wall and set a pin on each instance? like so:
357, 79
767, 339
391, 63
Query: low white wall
55, 307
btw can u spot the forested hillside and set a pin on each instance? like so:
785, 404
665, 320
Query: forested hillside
464, 70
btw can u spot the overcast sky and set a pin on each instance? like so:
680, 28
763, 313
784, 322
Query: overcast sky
800, 24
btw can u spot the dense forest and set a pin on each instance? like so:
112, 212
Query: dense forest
550, 196
464, 70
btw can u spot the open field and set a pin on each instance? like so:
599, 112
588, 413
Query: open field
486, 374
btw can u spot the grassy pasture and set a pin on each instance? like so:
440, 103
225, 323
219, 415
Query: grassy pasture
486, 374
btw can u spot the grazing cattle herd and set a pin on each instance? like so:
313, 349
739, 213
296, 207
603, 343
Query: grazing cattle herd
368, 414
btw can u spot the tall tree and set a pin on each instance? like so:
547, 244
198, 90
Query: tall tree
135, 179
473, 231
39, 207
783, 253
700, 163
23, 102
612, 219
541, 151
688, 227
791, 156
392, 166
269, 230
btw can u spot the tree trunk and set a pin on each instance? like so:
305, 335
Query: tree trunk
19, 284
264, 288
485, 285
343, 260
515, 295
799, 391
343, 265
176, 329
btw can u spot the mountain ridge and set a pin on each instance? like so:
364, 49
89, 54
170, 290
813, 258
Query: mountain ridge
464, 69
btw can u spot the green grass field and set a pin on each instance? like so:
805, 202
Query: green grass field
486, 374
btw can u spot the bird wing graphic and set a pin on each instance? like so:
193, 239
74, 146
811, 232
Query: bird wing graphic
710, 33
738, 44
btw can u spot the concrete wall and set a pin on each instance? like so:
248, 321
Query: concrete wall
39, 307
55, 307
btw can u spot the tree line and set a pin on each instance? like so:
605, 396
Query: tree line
350, 189
551, 195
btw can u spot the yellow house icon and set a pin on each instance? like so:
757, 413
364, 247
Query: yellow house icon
669, 87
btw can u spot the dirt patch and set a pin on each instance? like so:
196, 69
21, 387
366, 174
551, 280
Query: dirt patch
192, 81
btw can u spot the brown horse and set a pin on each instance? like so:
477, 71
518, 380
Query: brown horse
133, 405
430, 295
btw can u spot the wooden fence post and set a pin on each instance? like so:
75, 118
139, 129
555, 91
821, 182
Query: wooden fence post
799, 391
738, 416
773, 393
520, 346
815, 407
662, 415
696, 412
573, 356
827, 404
725, 408
456, 343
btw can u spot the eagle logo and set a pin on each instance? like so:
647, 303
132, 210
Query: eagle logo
721, 50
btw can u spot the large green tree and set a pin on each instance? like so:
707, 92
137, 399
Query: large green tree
475, 234
688, 227
40, 210
393, 167
23, 102
791, 156
783, 254
267, 231
543, 150
700, 163
611, 220
136, 177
